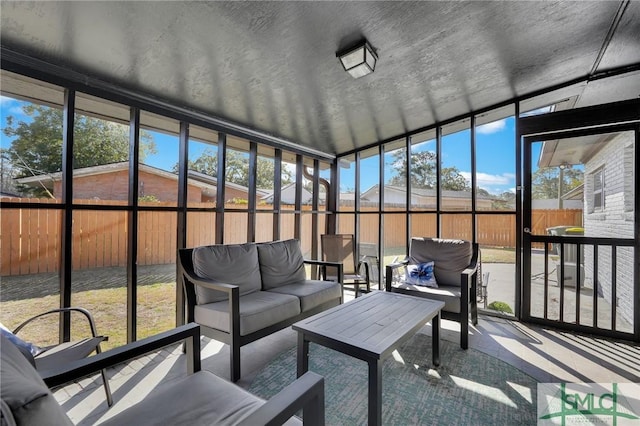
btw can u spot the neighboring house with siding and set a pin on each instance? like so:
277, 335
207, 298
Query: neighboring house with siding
288, 195
426, 198
609, 212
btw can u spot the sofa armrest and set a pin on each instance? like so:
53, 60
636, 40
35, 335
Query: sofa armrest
324, 264
306, 393
190, 333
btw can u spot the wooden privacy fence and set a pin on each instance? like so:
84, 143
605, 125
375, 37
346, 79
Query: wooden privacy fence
494, 230
30, 239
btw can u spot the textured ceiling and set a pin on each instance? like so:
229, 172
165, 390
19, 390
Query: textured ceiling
271, 66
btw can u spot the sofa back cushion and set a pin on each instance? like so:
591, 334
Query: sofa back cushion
235, 264
281, 263
25, 397
450, 257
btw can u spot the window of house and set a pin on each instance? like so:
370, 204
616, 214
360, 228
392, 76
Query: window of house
598, 190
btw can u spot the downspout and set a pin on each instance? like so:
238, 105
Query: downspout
308, 175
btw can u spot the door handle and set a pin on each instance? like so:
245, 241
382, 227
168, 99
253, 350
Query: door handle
527, 231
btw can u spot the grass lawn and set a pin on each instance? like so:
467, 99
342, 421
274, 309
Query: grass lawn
156, 313
498, 255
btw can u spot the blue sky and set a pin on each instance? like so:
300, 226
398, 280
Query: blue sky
495, 153
495, 158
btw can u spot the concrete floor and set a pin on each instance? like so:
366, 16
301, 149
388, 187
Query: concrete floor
547, 355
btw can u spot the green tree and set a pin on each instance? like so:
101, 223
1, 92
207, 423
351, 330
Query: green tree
504, 201
423, 169
37, 146
237, 170
423, 172
452, 180
7, 174
546, 182
206, 163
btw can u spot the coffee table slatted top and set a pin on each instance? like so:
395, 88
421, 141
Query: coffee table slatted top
372, 325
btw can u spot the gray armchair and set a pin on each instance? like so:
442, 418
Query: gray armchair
198, 398
455, 266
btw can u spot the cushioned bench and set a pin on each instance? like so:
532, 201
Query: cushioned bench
198, 398
239, 293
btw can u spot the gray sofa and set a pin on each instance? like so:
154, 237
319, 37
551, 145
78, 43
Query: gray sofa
239, 293
456, 265
200, 398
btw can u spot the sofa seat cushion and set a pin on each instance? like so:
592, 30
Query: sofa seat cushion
235, 264
450, 257
257, 311
26, 399
281, 263
208, 400
311, 293
450, 295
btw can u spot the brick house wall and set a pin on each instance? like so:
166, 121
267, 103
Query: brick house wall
114, 186
234, 193
614, 220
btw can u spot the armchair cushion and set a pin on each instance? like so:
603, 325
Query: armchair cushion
257, 311
450, 257
450, 295
208, 400
235, 264
281, 263
26, 399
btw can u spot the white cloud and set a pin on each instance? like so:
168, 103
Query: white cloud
499, 190
11, 106
487, 180
492, 127
423, 146
538, 111
466, 176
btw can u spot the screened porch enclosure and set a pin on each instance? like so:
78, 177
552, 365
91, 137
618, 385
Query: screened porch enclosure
225, 123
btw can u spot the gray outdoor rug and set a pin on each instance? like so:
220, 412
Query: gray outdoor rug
469, 387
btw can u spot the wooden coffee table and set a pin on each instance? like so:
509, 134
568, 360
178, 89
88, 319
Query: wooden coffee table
370, 328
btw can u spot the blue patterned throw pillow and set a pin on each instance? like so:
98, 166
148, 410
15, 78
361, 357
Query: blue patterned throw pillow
421, 274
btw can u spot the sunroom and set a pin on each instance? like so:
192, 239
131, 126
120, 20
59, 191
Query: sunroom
511, 125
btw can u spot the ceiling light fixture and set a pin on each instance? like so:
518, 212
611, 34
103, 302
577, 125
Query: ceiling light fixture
358, 60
